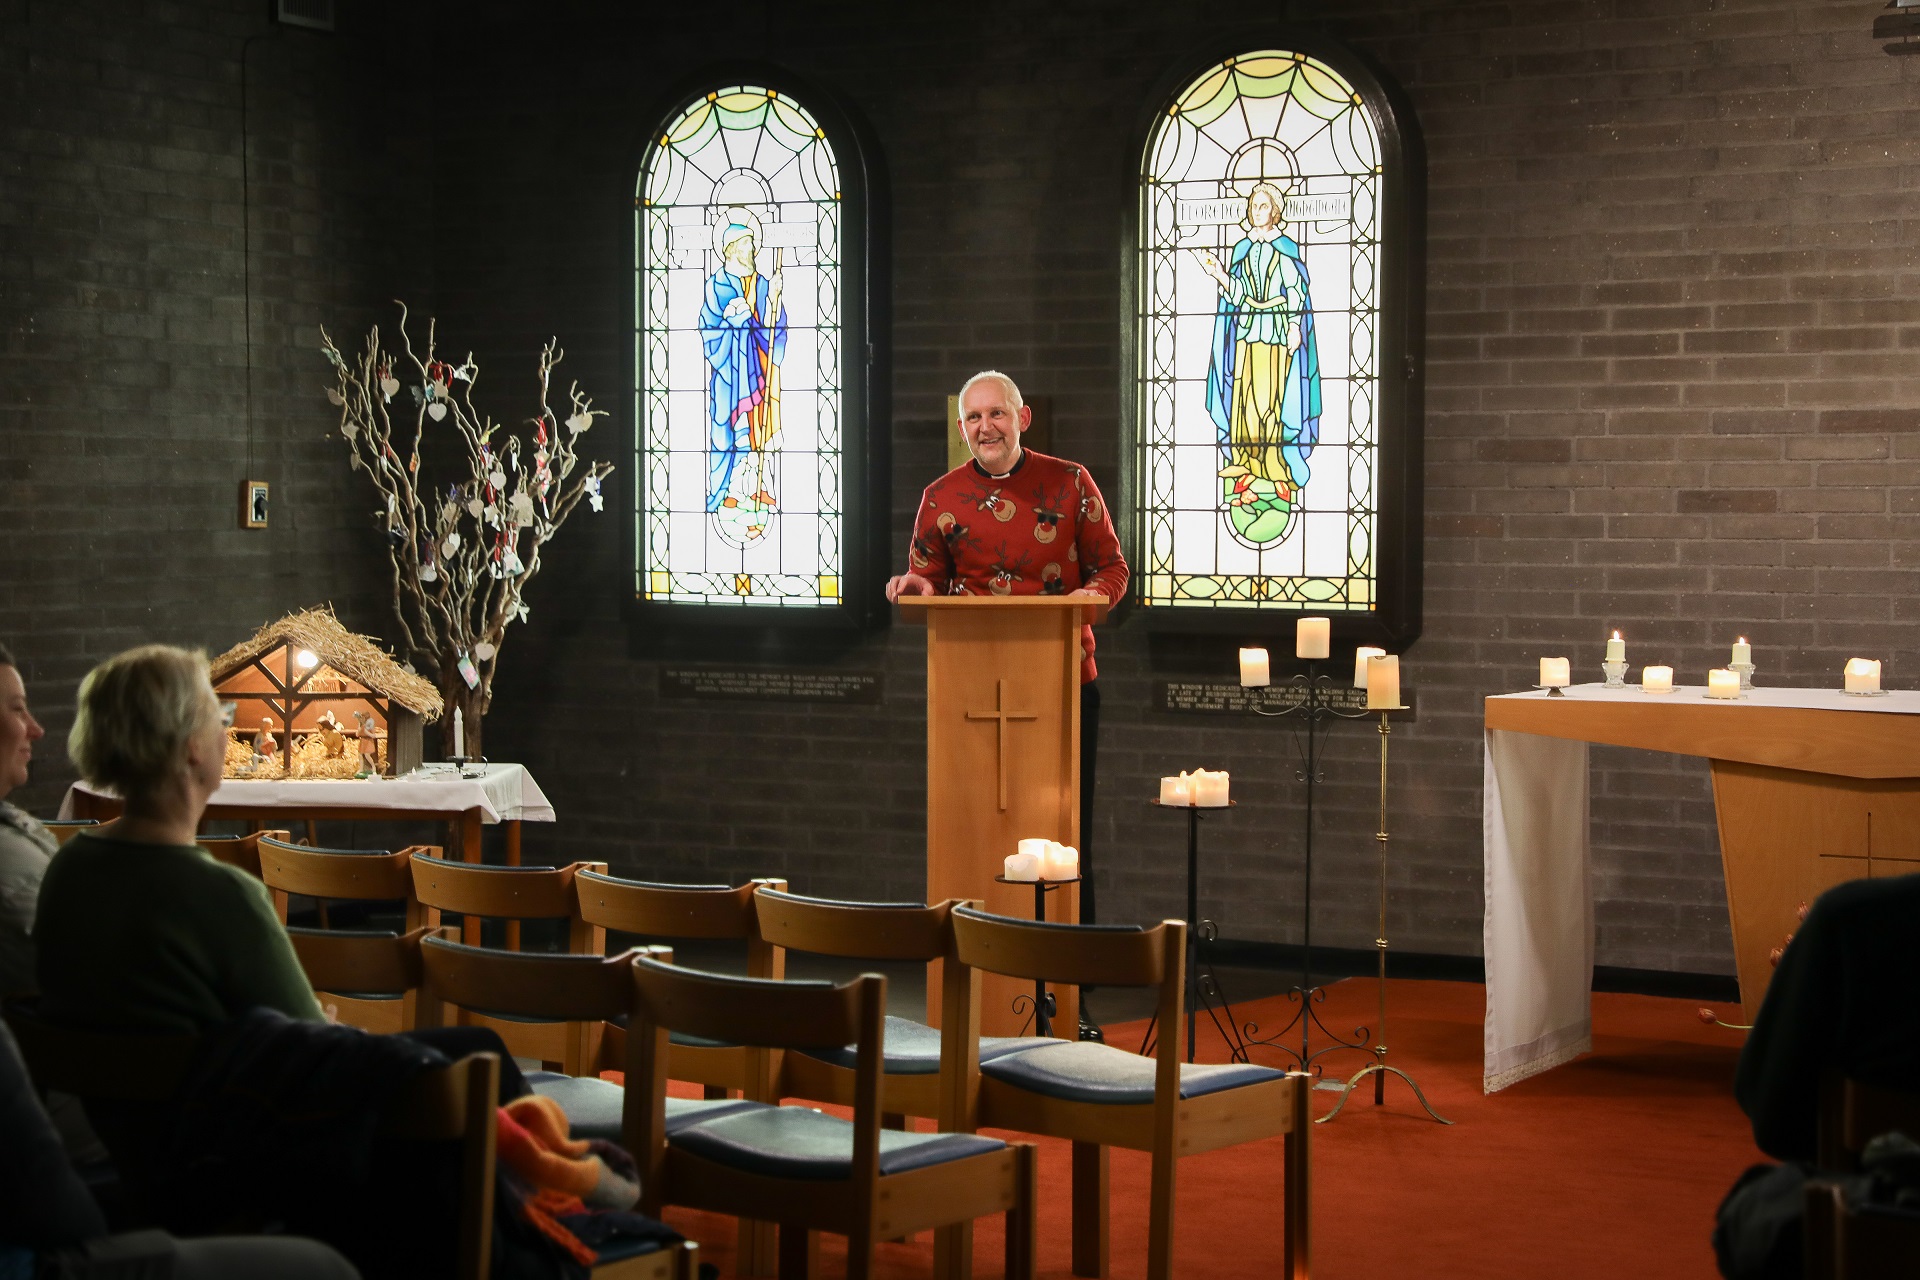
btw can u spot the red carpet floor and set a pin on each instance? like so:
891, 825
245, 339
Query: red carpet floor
1608, 1167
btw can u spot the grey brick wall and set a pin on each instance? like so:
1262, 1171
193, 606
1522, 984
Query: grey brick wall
1670, 273
125, 226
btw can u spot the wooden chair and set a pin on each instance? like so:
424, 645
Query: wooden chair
242, 851
910, 1051
372, 979
801, 1168
684, 911
1098, 1096
477, 892
586, 994
1852, 1114
64, 829
1844, 1242
351, 875
451, 1103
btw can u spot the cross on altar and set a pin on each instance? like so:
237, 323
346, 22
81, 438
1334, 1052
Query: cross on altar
1002, 715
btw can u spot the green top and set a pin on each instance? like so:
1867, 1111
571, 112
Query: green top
162, 938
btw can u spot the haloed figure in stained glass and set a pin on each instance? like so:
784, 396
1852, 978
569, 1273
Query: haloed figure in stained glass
744, 324
1263, 387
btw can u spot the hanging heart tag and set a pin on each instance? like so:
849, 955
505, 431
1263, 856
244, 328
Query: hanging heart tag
484, 651
436, 411
389, 387
333, 398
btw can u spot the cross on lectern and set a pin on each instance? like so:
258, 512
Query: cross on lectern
1001, 714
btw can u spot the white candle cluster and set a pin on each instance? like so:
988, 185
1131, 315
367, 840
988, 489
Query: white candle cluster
1043, 860
1199, 789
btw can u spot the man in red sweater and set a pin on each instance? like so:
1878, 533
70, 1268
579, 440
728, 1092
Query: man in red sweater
1013, 522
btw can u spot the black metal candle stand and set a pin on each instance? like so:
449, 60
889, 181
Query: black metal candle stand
1039, 1006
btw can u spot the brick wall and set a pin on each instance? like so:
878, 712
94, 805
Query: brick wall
1670, 268
127, 220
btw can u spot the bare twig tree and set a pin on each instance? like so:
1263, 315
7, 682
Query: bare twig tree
462, 549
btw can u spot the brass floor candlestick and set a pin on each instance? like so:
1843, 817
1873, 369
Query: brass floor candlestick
1379, 1067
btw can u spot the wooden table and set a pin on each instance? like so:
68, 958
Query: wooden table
1810, 789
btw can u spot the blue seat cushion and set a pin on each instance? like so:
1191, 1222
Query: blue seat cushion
1086, 1071
913, 1048
593, 1105
799, 1142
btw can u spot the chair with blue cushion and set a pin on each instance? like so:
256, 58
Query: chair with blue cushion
1098, 1097
478, 892
910, 1051
659, 912
802, 1168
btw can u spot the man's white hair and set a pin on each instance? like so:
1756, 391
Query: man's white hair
1012, 389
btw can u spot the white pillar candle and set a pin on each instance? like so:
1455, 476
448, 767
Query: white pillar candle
1555, 672
1175, 791
1036, 848
1742, 652
1312, 638
1253, 669
1657, 679
1210, 789
459, 733
1616, 649
1863, 675
1383, 682
1063, 863
1022, 866
1360, 657
1722, 683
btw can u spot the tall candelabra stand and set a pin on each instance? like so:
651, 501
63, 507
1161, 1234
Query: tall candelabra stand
1379, 1067
1317, 713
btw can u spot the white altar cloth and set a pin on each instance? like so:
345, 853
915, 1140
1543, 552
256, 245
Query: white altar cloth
504, 793
1538, 931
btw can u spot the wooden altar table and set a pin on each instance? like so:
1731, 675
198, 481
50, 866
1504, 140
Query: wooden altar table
1811, 787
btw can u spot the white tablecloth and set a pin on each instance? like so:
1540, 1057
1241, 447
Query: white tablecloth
1538, 937
505, 792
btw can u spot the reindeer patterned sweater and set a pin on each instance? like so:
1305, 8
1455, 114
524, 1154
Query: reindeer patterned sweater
1041, 530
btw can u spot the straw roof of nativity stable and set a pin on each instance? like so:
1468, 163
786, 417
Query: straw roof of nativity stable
359, 658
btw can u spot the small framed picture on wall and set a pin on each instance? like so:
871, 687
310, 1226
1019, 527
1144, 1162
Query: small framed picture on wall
253, 504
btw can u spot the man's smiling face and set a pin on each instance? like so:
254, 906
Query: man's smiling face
991, 426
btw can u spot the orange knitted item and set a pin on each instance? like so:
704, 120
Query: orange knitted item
534, 1144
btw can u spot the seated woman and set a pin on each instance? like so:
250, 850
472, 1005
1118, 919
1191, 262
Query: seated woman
25, 846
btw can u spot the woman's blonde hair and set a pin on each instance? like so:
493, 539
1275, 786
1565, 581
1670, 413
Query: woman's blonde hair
137, 710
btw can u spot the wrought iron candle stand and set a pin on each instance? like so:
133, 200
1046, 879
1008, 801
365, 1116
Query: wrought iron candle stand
1203, 986
1379, 1067
1040, 1005
1317, 713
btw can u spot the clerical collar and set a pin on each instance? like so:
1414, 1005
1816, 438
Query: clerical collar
1005, 474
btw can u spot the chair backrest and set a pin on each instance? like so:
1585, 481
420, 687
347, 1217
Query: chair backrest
91, 1063
861, 930
560, 988
1083, 954
242, 851
1852, 1114
507, 893
351, 960
753, 1011
457, 1102
64, 829
350, 874
668, 910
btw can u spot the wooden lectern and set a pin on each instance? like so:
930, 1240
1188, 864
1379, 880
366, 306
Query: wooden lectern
1806, 798
1003, 764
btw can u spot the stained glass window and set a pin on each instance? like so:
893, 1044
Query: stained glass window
1259, 295
740, 497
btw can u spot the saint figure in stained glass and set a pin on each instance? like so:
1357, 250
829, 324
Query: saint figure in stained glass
744, 323
1263, 387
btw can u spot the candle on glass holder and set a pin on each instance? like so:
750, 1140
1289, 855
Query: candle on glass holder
1863, 675
1656, 679
1254, 670
1556, 673
1312, 638
1616, 649
1210, 789
1722, 683
1742, 651
1176, 790
1383, 682
1360, 657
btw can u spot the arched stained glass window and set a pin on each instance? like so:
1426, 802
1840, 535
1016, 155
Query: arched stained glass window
1262, 276
744, 415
